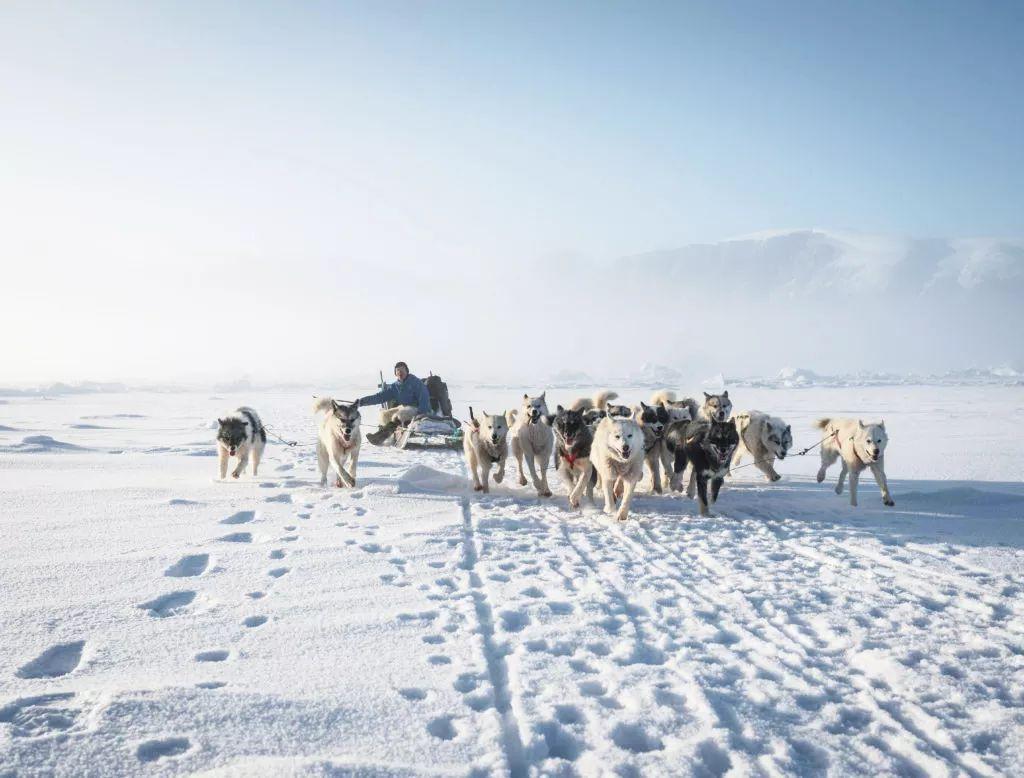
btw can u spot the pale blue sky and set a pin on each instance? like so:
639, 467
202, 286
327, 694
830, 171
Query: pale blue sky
211, 140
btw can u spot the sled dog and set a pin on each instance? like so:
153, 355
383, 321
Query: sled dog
339, 440
860, 446
573, 442
765, 438
617, 455
486, 444
653, 421
532, 440
707, 446
240, 434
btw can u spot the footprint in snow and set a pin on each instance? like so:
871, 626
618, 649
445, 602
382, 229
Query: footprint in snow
237, 537
168, 604
439, 659
54, 662
283, 497
216, 655
152, 750
211, 685
277, 572
442, 728
241, 517
277, 553
256, 595
255, 621
413, 693
188, 566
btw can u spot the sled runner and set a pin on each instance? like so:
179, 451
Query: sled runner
437, 430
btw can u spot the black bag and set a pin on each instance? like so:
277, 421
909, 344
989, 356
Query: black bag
440, 403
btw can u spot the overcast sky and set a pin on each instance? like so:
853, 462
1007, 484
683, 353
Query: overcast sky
211, 188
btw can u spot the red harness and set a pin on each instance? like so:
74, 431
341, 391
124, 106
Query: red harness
570, 459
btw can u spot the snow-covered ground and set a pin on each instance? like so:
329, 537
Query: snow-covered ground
156, 621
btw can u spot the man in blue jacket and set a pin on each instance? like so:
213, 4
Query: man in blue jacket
408, 391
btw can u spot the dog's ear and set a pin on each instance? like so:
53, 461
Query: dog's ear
334, 406
860, 423
484, 413
725, 394
708, 396
882, 424
526, 396
789, 429
355, 405
644, 405
559, 409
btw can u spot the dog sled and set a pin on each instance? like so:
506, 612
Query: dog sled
437, 430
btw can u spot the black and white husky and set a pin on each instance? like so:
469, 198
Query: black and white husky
598, 406
573, 439
653, 421
532, 441
708, 447
339, 440
486, 444
240, 434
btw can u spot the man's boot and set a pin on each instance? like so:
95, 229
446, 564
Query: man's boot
383, 432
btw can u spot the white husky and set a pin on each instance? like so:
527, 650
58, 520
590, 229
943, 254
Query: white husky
338, 441
486, 444
765, 438
240, 434
532, 440
617, 454
860, 446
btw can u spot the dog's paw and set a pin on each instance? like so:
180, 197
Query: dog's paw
544, 492
839, 489
522, 481
338, 483
574, 503
776, 477
499, 477
890, 502
235, 476
821, 476
478, 488
621, 516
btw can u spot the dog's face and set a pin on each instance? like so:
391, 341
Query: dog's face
622, 411
623, 436
569, 426
717, 407
720, 441
231, 433
347, 417
678, 413
535, 408
871, 440
492, 428
777, 438
592, 416
652, 417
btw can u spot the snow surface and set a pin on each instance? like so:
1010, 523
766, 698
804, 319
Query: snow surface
158, 621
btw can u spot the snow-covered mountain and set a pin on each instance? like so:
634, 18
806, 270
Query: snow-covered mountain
814, 262
844, 302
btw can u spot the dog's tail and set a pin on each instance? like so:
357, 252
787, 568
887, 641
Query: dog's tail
600, 399
823, 422
510, 417
663, 397
323, 404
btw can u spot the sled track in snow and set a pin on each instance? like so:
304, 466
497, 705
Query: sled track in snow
494, 655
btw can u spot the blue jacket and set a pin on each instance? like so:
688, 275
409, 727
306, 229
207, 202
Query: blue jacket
411, 391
